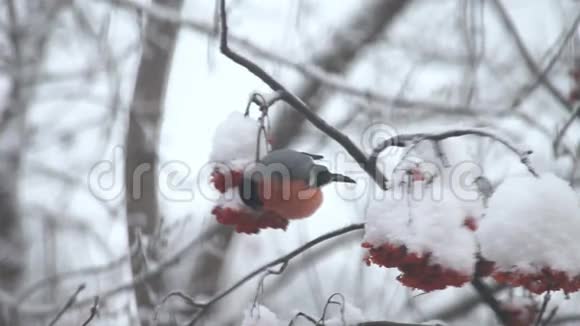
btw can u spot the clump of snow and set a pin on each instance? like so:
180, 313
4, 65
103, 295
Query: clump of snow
432, 222
532, 223
531, 229
260, 316
234, 141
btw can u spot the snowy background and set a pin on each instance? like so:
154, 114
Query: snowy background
70, 88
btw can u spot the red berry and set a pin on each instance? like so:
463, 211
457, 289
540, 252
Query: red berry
484, 267
417, 269
546, 280
470, 223
247, 221
223, 181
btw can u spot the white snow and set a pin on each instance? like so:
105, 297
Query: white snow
352, 316
234, 140
532, 223
260, 316
231, 199
427, 222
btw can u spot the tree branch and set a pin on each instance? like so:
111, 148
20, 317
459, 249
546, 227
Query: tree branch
41, 310
529, 89
69, 303
525, 54
142, 141
462, 306
562, 132
329, 80
297, 103
94, 311
281, 261
368, 22
413, 139
486, 295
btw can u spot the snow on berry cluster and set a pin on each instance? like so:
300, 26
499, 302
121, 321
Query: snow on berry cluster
529, 236
526, 236
422, 228
234, 150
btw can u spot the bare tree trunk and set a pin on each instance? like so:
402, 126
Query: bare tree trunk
209, 262
27, 42
143, 139
361, 30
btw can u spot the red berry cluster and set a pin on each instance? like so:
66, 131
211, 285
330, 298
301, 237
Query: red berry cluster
247, 221
224, 180
483, 267
470, 223
546, 280
417, 270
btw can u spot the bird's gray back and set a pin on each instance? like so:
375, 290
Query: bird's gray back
296, 163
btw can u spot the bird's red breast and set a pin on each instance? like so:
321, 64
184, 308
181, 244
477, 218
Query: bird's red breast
290, 199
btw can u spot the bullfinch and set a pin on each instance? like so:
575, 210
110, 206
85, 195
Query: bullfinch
287, 182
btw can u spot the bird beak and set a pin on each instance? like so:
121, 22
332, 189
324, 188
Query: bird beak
341, 178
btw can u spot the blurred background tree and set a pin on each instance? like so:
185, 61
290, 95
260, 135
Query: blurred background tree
102, 101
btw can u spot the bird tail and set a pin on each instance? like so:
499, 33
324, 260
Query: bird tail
336, 177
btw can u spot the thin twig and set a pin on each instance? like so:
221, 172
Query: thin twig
329, 302
525, 54
462, 306
321, 321
184, 297
284, 260
69, 303
413, 139
303, 315
297, 103
564, 129
41, 310
94, 311
54, 279
550, 317
547, 297
330, 80
486, 294
529, 89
